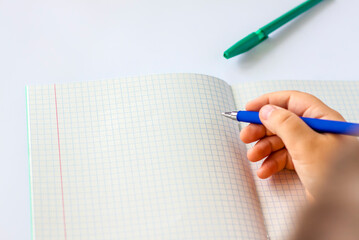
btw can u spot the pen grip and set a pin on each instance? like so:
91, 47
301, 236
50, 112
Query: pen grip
319, 125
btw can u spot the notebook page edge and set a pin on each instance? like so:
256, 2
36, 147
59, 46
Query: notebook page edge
32, 226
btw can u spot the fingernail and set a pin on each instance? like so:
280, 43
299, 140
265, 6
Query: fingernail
266, 111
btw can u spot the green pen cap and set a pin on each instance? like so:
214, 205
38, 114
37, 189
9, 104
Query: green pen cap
256, 38
246, 44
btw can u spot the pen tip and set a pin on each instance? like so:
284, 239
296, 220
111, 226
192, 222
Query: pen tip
231, 115
226, 114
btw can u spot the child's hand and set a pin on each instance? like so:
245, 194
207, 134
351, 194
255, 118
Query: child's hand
287, 141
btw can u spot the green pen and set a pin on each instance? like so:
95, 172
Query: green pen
259, 36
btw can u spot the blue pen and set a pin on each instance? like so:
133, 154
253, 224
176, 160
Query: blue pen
319, 125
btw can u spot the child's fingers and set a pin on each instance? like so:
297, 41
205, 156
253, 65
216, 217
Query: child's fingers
300, 103
254, 132
284, 99
275, 163
264, 148
297, 136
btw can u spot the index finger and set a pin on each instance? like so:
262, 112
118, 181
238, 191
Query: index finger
300, 103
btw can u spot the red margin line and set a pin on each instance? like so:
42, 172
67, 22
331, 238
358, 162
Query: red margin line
58, 143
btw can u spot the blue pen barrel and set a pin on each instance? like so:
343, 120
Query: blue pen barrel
319, 125
329, 126
249, 117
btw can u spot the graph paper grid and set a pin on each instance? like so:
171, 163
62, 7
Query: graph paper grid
140, 158
282, 195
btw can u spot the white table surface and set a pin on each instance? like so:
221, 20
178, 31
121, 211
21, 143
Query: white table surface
43, 42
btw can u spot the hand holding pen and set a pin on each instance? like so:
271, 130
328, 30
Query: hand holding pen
287, 142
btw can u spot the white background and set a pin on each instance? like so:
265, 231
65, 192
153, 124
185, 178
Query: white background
43, 42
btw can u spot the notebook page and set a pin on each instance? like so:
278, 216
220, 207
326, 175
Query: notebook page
282, 195
140, 158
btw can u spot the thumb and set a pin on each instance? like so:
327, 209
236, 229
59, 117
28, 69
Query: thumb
294, 132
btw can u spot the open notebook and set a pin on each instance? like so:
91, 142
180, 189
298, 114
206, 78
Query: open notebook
153, 158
